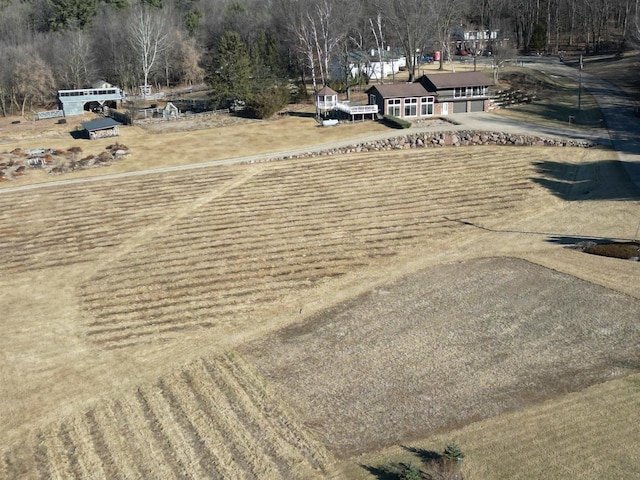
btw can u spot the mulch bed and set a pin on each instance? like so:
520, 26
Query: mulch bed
624, 250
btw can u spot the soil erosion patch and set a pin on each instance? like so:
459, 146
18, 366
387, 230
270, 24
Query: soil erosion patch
448, 346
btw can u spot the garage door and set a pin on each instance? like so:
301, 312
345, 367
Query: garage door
460, 107
477, 105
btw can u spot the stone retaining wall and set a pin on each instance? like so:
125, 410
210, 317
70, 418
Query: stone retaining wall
443, 139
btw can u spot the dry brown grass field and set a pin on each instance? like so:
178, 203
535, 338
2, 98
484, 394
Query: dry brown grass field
289, 319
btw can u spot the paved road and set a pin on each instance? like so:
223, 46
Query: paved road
623, 130
618, 110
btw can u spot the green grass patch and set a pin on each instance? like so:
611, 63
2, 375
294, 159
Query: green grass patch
395, 122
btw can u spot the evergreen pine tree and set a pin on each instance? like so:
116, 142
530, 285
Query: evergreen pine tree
230, 73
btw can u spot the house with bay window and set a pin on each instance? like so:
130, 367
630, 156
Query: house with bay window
433, 94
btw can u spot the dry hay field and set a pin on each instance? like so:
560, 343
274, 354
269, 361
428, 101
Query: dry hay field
281, 319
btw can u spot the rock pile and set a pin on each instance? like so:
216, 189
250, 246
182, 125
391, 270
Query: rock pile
18, 162
444, 139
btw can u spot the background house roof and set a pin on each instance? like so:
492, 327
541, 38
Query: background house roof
451, 80
401, 90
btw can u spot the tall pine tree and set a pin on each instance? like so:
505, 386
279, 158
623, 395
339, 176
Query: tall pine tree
230, 73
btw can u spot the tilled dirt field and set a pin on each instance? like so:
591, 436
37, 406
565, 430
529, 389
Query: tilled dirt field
447, 346
122, 299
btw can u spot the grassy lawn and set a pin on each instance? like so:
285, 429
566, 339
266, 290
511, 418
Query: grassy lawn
623, 71
587, 435
556, 99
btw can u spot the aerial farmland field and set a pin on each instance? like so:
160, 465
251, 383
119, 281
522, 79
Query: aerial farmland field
280, 319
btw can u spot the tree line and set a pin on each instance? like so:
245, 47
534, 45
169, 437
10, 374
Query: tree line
253, 50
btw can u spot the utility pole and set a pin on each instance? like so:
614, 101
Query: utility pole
580, 84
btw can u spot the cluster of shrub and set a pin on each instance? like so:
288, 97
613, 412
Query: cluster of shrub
432, 466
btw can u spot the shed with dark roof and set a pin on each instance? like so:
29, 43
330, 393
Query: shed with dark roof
101, 128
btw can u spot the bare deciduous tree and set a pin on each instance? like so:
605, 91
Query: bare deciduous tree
148, 37
410, 21
191, 71
378, 35
73, 61
30, 78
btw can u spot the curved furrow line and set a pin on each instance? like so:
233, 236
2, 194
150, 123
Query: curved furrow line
223, 291
156, 461
345, 200
40, 457
71, 451
168, 270
211, 453
249, 441
94, 432
123, 459
361, 202
379, 175
57, 459
263, 411
178, 265
171, 433
89, 463
233, 288
239, 371
16, 462
222, 439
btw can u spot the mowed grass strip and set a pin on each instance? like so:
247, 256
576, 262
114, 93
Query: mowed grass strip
291, 226
592, 434
213, 418
66, 225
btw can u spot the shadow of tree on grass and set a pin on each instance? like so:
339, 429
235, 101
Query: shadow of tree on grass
600, 180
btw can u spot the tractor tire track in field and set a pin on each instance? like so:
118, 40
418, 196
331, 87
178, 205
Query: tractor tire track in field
288, 226
214, 418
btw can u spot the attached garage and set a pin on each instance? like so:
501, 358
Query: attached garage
459, 107
477, 105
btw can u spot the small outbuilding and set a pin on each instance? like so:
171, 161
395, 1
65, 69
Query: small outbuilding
102, 128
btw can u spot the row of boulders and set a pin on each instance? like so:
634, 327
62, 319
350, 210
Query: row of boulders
19, 162
506, 98
443, 139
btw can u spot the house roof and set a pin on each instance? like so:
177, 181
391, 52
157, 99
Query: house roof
100, 124
327, 91
451, 80
400, 90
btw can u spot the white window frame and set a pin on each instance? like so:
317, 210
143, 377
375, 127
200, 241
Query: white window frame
394, 107
479, 91
459, 92
427, 106
411, 107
